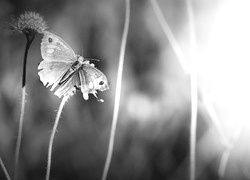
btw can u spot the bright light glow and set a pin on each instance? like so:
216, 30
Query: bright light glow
225, 69
226, 66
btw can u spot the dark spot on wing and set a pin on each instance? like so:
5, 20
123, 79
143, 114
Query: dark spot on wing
77, 88
50, 40
101, 83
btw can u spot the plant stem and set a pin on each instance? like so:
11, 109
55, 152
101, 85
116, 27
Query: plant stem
4, 169
194, 90
215, 119
30, 38
117, 91
65, 98
173, 42
223, 162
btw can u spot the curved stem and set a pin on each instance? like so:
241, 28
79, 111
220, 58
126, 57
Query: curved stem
117, 91
4, 169
65, 98
30, 38
19, 136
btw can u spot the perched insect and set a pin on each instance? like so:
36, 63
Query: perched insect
66, 71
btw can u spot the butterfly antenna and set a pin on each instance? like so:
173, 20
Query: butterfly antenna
90, 59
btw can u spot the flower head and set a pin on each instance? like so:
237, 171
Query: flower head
28, 23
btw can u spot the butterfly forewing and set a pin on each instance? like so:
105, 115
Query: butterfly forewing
54, 48
57, 59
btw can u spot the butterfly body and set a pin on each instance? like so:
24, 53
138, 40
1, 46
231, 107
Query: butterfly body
74, 67
66, 71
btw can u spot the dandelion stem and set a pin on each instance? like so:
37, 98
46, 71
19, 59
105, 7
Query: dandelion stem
117, 91
19, 136
30, 38
65, 98
4, 169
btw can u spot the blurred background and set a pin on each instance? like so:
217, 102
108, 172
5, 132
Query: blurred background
152, 137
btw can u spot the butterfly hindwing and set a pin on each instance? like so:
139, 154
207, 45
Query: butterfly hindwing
69, 86
94, 78
52, 71
54, 48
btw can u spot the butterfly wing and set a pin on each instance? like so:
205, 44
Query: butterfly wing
57, 64
69, 86
51, 72
57, 56
91, 80
54, 48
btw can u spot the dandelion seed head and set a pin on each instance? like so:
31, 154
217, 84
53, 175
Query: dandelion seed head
28, 23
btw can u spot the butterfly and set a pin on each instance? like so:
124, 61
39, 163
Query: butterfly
66, 72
